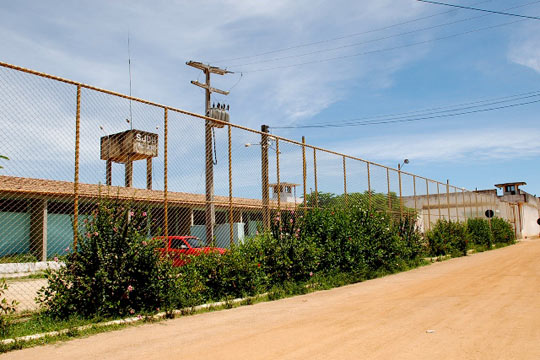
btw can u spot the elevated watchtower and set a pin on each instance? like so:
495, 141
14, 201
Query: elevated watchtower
126, 147
511, 191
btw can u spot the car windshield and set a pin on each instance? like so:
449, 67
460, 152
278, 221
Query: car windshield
194, 242
178, 244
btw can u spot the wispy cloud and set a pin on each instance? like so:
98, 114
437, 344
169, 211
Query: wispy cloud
525, 47
474, 145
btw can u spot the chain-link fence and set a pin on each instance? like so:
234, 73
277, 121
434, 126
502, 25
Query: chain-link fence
69, 144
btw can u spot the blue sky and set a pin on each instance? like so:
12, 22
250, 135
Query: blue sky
87, 41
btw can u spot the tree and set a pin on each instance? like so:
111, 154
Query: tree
5, 158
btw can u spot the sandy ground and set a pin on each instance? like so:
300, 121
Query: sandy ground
484, 306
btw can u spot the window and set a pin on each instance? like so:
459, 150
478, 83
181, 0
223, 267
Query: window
178, 244
288, 189
510, 189
195, 242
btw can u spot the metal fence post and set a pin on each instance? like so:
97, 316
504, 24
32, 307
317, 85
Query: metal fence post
400, 195
369, 184
476, 199
264, 178
76, 180
439, 200
345, 180
448, 199
231, 219
464, 206
428, 206
304, 170
315, 177
278, 181
165, 172
389, 196
414, 194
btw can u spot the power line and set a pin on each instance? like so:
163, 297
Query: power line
418, 119
380, 50
423, 115
477, 9
339, 37
450, 108
375, 40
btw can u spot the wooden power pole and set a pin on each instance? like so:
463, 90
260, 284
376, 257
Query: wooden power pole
210, 211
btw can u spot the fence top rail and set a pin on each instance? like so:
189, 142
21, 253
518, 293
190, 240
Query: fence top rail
151, 103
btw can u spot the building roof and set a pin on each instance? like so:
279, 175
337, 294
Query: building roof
54, 189
284, 184
510, 183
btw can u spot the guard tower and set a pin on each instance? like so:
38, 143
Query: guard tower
285, 191
126, 147
511, 191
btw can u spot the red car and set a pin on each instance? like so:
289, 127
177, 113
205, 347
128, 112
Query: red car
179, 248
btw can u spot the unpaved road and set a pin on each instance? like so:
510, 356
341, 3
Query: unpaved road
484, 306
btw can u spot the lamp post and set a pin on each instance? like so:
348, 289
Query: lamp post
400, 165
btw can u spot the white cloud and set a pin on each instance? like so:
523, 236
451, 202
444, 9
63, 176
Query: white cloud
164, 34
449, 146
525, 47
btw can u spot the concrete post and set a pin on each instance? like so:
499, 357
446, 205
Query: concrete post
38, 229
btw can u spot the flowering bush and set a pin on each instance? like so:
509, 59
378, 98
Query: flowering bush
115, 269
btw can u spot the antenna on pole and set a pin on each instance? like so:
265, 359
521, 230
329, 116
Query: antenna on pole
129, 68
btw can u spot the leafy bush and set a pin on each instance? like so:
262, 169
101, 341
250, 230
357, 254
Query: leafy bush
354, 239
413, 240
480, 233
448, 238
6, 309
502, 230
114, 271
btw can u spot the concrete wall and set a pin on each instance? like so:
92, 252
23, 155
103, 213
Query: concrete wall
14, 233
530, 216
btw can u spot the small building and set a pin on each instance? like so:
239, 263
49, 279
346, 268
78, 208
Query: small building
286, 192
527, 208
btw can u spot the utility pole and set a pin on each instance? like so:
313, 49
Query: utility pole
264, 177
210, 211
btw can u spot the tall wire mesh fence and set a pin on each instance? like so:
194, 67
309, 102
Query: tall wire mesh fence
66, 143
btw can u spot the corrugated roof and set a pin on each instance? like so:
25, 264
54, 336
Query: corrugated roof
44, 188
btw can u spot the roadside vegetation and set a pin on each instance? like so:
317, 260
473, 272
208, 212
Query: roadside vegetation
117, 270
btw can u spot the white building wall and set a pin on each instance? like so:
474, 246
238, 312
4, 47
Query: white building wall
530, 217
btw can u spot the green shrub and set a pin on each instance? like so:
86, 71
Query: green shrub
354, 239
448, 238
411, 237
480, 233
7, 308
502, 230
115, 270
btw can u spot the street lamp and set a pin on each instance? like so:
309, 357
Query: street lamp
399, 166
259, 144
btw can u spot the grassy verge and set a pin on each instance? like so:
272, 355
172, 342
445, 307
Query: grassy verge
39, 275
17, 258
37, 323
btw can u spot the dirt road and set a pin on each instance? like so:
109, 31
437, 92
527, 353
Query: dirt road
484, 306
